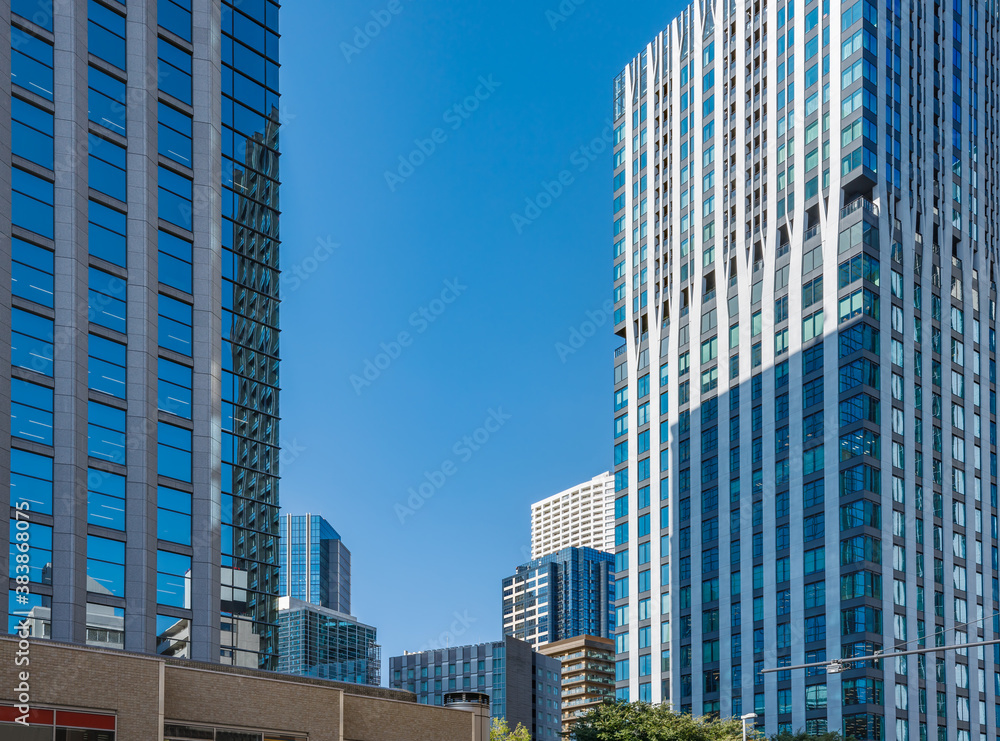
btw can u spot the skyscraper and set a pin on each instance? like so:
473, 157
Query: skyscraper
562, 595
141, 321
315, 563
582, 516
805, 232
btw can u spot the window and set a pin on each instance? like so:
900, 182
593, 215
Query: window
31, 411
173, 515
172, 577
173, 452
31, 341
106, 564
106, 499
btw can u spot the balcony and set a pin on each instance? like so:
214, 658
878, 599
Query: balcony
620, 351
810, 233
859, 203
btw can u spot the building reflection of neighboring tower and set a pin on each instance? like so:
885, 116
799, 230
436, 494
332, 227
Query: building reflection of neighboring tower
250, 404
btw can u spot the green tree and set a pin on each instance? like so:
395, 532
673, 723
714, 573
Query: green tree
639, 721
500, 731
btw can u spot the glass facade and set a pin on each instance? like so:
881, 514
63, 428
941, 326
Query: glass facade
318, 642
315, 564
143, 309
805, 438
561, 595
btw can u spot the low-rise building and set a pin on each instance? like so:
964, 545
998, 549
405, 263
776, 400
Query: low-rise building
523, 685
588, 674
121, 696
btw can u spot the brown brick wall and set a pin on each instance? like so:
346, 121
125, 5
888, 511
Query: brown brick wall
382, 720
129, 685
79, 678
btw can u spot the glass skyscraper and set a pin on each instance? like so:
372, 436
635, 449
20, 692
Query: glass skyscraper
315, 563
141, 153
561, 595
805, 230
319, 642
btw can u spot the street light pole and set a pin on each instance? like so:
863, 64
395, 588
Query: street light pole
745, 718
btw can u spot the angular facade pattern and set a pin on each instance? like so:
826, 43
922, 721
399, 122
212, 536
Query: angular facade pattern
314, 562
140, 323
319, 642
562, 595
805, 230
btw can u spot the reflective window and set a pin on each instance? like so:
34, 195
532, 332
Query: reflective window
39, 609
38, 12
31, 272
106, 237
31, 341
173, 574
174, 198
31, 480
175, 16
173, 515
31, 133
106, 34
37, 561
174, 391
175, 325
106, 366
173, 452
105, 499
105, 628
171, 635
174, 71
31, 63
175, 262
107, 167
31, 203
30, 411
174, 134
107, 300
105, 566
106, 432
106, 100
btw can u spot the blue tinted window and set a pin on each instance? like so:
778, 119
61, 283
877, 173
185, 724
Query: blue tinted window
31, 341
172, 574
175, 325
106, 235
106, 366
173, 517
30, 411
31, 202
174, 134
106, 100
174, 196
175, 262
106, 34
31, 133
105, 499
31, 63
31, 480
107, 167
174, 393
31, 272
105, 566
106, 432
38, 553
174, 71
106, 300
173, 452
175, 16
38, 12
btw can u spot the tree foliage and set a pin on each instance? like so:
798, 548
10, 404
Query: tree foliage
639, 721
500, 731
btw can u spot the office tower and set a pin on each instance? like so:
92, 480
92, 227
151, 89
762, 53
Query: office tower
140, 322
564, 594
805, 230
588, 675
315, 563
582, 516
523, 684
320, 642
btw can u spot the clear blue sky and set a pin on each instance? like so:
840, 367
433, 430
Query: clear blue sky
432, 251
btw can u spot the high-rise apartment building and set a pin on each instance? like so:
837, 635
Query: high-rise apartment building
315, 564
582, 517
139, 143
805, 230
523, 685
562, 595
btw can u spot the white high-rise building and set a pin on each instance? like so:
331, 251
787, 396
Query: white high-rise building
805, 231
583, 516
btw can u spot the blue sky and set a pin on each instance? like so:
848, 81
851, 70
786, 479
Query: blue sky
446, 206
